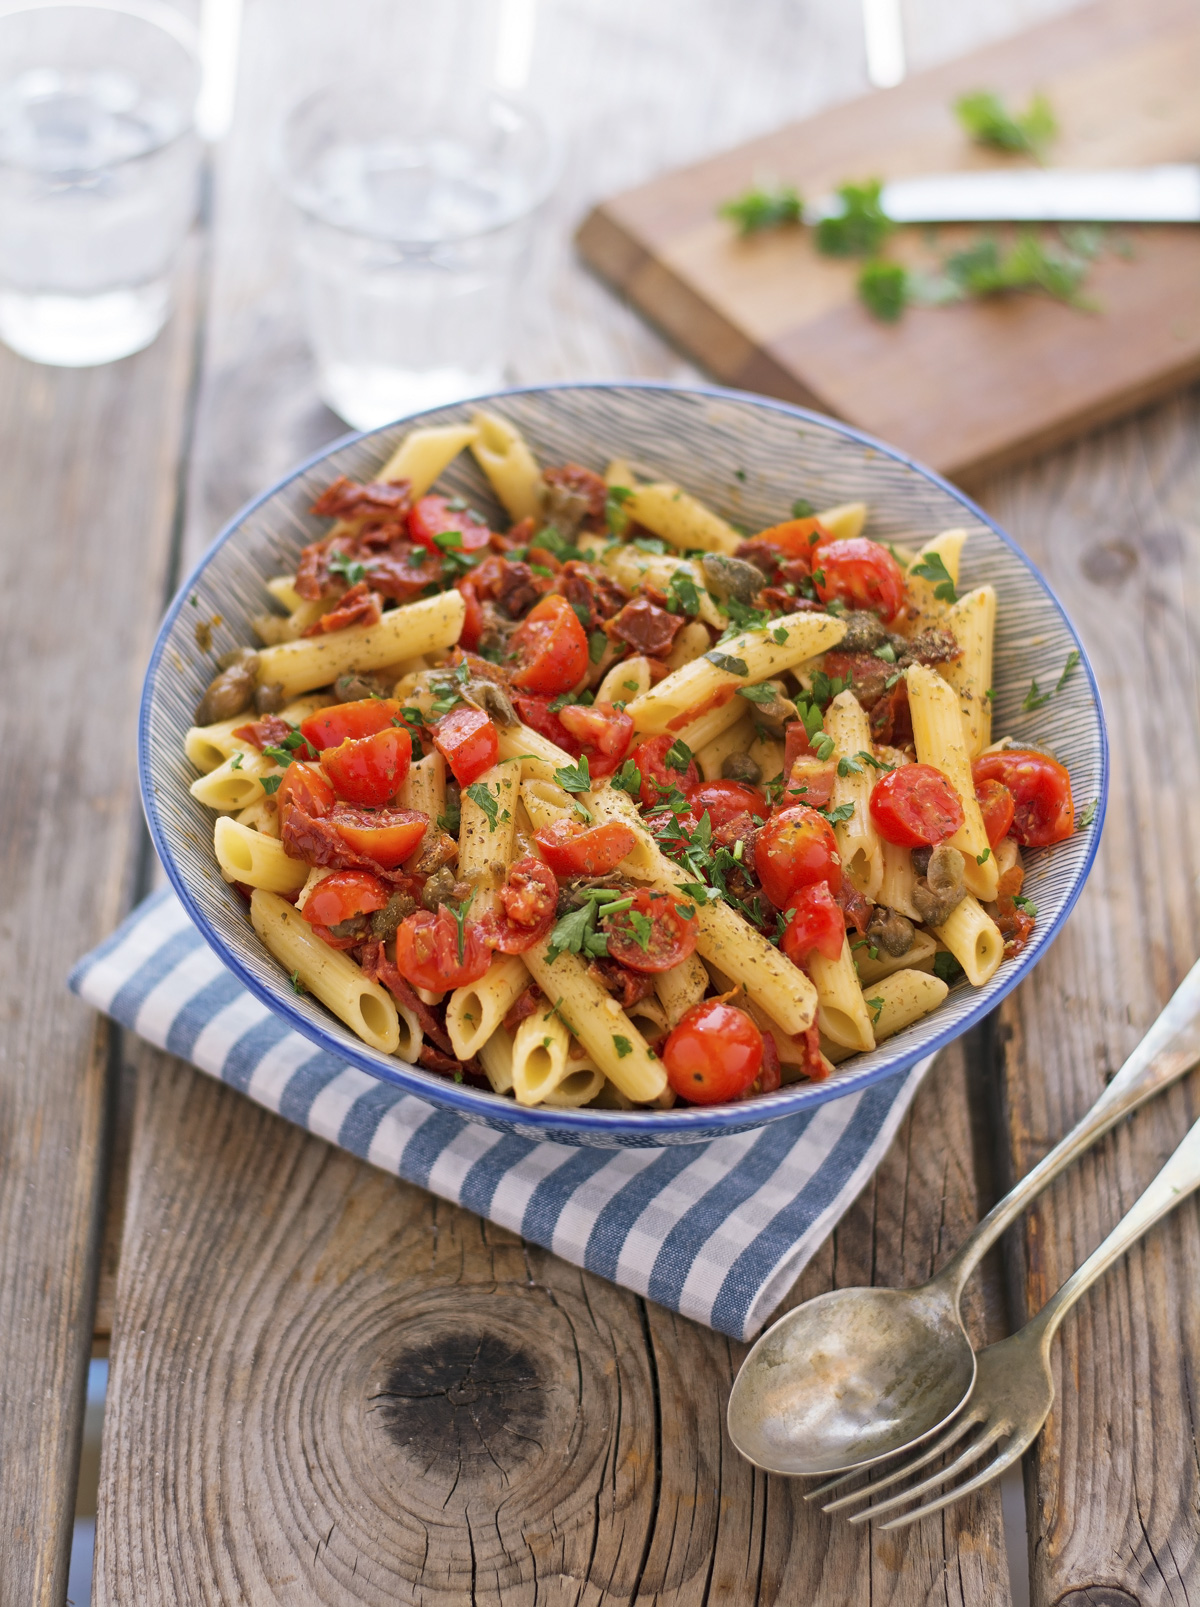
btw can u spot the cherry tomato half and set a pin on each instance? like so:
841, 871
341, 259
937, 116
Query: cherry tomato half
468, 741
433, 951
996, 805
329, 728
810, 781
551, 647
726, 801
528, 903
1041, 789
344, 895
651, 759
652, 935
915, 806
796, 848
573, 849
388, 836
369, 770
605, 733
818, 923
714, 1054
796, 537
433, 516
305, 786
862, 574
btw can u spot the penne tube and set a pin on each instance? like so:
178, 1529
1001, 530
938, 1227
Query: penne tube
723, 937
692, 641
474, 1012
681, 988
283, 590
899, 879
424, 453
858, 842
539, 1056
974, 939
261, 816
924, 607
485, 835
366, 1008
1006, 854
580, 1084
678, 700
316, 875
940, 735
973, 621
539, 756
503, 455
634, 569
896, 1001
737, 738
424, 787
546, 803
649, 1017
842, 1013
597, 1020
668, 512
256, 860
207, 746
918, 958
625, 681
236, 783
427, 626
845, 521
496, 1059
711, 724
619, 473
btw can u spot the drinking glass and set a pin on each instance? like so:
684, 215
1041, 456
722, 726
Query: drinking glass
99, 163
414, 219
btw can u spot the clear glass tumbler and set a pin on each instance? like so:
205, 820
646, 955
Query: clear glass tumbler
413, 227
99, 163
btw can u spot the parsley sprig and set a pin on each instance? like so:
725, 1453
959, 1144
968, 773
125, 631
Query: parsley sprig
761, 208
577, 931
933, 569
988, 121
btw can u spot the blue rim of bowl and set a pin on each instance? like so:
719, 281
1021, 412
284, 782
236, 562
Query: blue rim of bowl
553, 1122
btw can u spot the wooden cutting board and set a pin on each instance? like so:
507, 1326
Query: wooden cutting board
969, 387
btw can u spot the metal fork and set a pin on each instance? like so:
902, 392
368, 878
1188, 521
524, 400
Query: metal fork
1013, 1390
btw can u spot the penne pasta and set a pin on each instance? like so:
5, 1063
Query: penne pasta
918, 958
424, 787
898, 880
901, 998
940, 736
974, 939
681, 988
539, 1056
424, 453
236, 783
625, 681
842, 1013
496, 1059
692, 641
256, 860
680, 519
973, 621
634, 568
845, 521
208, 746
428, 626
859, 843
485, 834
512, 472
599, 1023
476, 1010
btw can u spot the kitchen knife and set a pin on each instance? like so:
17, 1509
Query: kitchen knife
1165, 194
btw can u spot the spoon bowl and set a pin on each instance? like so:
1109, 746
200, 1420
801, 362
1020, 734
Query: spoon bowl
850, 1377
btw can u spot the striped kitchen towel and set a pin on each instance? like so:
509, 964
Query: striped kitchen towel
717, 1231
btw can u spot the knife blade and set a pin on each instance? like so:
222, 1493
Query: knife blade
1169, 193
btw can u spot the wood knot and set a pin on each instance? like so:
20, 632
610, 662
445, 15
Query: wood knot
1110, 564
462, 1399
1097, 1596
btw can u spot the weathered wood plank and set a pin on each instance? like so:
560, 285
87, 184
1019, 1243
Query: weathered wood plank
87, 502
1113, 1482
330, 1387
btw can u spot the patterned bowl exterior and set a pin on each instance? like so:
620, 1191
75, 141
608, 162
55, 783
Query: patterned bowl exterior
748, 458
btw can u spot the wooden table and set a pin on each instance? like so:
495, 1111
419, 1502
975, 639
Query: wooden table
330, 1387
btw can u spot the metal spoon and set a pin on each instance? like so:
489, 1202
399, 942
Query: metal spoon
858, 1374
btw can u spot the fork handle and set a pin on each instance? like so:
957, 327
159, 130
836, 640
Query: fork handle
1178, 1178
1170, 1048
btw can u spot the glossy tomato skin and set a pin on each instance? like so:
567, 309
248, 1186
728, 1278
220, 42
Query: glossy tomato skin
810, 781
472, 625
602, 732
818, 923
726, 801
369, 770
996, 805
329, 728
798, 538
551, 648
714, 1054
388, 836
427, 951
433, 516
572, 849
305, 786
915, 806
1043, 810
528, 904
796, 848
343, 895
862, 574
468, 741
670, 939
651, 759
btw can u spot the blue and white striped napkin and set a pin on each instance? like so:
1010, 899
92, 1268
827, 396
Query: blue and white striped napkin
717, 1231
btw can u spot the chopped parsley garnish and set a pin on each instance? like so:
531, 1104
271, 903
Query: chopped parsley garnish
847, 767
643, 929
1022, 903
270, 784
825, 688
574, 777
576, 932
597, 643
297, 985
875, 1006
682, 595
876, 764
678, 756
349, 569
479, 792
235, 762
758, 694
452, 819
540, 569
628, 779
822, 746
983, 270
933, 569
779, 635
759, 209
459, 912
552, 541
887, 653
1089, 813
742, 617
561, 701
1068, 667
614, 509
1035, 698
836, 816
650, 544
802, 508
982, 859
884, 289
622, 1045
727, 662
862, 225
947, 967
988, 121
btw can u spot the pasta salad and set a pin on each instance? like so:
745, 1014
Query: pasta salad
619, 805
